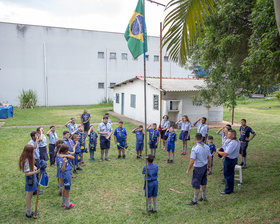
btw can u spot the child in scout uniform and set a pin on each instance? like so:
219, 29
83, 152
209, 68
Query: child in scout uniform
212, 148
77, 155
185, 125
171, 139
153, 138
201, 160
85, 120
139, 132
202, 127
52, 140
71, 146
223, 131
107, 115
105, 131
42, 143
71, 125
164, 125
27, 165
58, 144
66, 173
152, 175
120, 137
244, 139
92, 135
82, 141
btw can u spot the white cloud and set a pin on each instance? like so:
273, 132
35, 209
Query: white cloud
105, 15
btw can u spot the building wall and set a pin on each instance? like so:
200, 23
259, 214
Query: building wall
62, 66
137, 88
186, 106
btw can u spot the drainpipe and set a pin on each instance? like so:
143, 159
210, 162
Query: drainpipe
45, 74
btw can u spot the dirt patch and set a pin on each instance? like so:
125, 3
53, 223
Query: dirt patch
2, 123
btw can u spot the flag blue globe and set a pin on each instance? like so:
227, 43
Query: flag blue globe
137, 25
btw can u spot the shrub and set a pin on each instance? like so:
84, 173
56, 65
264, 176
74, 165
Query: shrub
277, 94
28, 99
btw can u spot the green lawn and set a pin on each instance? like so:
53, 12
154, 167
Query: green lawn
112, 192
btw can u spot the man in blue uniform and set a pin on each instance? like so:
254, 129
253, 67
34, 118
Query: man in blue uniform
105, 131
230, 155
85, 120
120, 137
201, 160
244, 139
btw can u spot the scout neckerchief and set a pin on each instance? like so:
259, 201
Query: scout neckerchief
201, 144
92, 136
153, 135
169, 136
243, 130
120, 132
71, 143
83, 138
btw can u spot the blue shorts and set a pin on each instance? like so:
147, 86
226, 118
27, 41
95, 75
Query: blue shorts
43, 153
121, 146
67, 179
199, 177
152, 188
153, 145
92, 148
139, 146
86, 127
104, 143
34, 186
183, 136
170, 147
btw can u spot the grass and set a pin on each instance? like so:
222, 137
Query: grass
112, 192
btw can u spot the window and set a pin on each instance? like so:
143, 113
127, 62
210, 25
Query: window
124, 56
166, 58
156, 102
112, 84
113, 55
156, 58
133, 100
100, 54
147, 57
101, 85
117, 98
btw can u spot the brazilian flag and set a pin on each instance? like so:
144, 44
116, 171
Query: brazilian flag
134, 33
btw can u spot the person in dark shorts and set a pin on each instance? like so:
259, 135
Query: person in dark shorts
85, 120
201, 160
164, 125
105, 131
244, 139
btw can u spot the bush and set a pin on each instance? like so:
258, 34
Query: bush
28, 99
277, 94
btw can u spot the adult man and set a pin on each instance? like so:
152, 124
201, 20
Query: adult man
105, 131
85, 120
202, 128
201, 160
244, 140
230, 155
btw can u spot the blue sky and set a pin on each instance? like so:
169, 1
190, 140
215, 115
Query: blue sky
106, 15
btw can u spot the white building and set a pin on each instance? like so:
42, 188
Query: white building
70, 66
178, 96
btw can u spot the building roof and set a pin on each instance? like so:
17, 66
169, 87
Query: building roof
169, 84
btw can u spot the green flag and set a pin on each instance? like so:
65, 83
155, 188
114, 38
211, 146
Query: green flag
134, 34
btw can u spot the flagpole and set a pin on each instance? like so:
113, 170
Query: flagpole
145, 106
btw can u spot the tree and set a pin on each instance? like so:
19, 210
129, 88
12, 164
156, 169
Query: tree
277, 13
221, 51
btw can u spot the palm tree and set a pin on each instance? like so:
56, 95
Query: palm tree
184, 22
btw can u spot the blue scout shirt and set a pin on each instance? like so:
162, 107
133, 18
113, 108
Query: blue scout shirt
93, 138
72, 127
120, 134
139, 136
70, 144
212, 148
165, 124
245, 133
172, 137
60, 162
200, 152
152, 172
85, 117
42, 143
232, 148
36, 151
202, 128
105, 128
52, 137
109, 121
185, 126
78, 148
153, 134
82, 137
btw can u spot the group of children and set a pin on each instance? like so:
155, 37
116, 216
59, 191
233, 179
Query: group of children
67, 153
